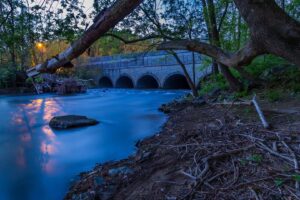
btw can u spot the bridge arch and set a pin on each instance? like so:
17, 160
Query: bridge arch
147, 81
124, 81
105, 82
176, 81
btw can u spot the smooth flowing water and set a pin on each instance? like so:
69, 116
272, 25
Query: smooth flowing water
38, 163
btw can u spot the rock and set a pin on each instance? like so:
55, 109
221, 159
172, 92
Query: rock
199, 101
83, 196
143, 156
165, 108
107, 193
120, 170
98, 181
71, 121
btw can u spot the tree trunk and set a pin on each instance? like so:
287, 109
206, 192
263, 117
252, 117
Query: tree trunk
271, 31
234, 83
103, 22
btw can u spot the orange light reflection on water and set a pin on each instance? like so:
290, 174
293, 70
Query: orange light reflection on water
26, 118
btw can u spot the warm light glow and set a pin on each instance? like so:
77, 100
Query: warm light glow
40, 45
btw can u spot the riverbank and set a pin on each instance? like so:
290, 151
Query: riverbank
17, 91
206, 151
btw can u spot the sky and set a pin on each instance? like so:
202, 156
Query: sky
88, 4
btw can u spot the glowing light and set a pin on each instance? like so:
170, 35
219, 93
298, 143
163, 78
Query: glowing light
39, 45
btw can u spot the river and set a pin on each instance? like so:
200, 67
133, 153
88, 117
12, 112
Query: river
38, 163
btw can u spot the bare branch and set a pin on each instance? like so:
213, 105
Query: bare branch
135, 40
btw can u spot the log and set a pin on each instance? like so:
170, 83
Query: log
104, 21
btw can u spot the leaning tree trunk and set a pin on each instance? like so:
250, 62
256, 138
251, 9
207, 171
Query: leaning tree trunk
234, 83
186, 74
271, 31
103, 22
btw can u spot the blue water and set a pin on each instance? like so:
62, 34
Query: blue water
38, 163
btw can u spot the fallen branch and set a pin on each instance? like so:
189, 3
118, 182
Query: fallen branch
296, 165
260, 113
248, 103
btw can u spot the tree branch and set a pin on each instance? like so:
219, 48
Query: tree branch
240, 58
8, 14
133, 41
186, 74
223, 16
106, 20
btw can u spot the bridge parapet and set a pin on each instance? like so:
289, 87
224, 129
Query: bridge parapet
146, 69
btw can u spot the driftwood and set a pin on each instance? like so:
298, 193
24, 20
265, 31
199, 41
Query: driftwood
103, 22
260, 113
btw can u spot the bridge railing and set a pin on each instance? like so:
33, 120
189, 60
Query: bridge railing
159, 58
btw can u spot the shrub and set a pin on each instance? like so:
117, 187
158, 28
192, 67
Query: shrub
273, 95
212, 83
262, 63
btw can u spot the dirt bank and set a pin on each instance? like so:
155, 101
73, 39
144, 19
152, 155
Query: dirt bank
205, 152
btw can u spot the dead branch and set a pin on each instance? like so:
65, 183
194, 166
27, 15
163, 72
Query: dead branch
296, 165
260, 113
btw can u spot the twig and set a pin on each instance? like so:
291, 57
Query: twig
265, 147
296, 165
194, 178
292, 193
254, 193
249, 182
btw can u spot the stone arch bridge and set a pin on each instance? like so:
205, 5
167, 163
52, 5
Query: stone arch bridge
146, 70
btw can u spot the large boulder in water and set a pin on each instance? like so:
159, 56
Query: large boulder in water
71, 121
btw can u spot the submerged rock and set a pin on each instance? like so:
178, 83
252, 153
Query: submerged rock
71, 121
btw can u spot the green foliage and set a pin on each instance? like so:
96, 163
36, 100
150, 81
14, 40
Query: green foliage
273, 95
296, 177
38, 79
86, 73
247, 111
257, 158
214, 82
262, 63
241, 94
279, 182
205, 63
292, 79
7, 75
